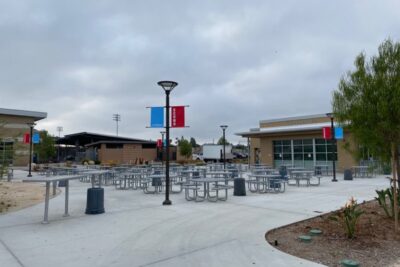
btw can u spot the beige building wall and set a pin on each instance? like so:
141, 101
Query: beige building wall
129, 154
14, 128
254, 146
293, 122
110, 155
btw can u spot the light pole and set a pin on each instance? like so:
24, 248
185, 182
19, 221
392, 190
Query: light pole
59, 130
31, 125
162, 147
223, 127
168, 86
333, 139
117, 118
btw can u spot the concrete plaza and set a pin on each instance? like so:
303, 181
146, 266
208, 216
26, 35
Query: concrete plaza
137, 230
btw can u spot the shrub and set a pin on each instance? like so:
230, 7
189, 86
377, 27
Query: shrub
383, 196
348, 217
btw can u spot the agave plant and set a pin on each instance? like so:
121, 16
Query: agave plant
348, 217
383, 196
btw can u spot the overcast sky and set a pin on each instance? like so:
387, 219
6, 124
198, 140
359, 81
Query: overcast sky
236, 62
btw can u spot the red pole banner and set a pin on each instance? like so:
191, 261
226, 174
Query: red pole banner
27, 138
178, 116
159, 143
327, 133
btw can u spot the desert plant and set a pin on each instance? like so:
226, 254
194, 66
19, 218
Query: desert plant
348, 217
383, 196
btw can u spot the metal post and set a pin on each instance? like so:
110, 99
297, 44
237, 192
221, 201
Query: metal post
167, 201
54, 188
223, 127
117, 118
66, 198
223, 137
59, 129
162, 148
46, 204
30, 149
333, 150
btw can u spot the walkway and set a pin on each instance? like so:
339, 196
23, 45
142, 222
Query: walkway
137, 230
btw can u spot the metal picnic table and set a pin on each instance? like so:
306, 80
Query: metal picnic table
48, 180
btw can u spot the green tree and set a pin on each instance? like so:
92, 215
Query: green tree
221, 141
193, 142
45, 150
367, 102
185, 148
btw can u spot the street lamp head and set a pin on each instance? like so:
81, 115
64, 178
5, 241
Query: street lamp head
31, 124
223, 127
168, 86
329, 115
162, 132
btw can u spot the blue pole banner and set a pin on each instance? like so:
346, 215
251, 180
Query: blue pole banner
36, 138
157, 117
338, 133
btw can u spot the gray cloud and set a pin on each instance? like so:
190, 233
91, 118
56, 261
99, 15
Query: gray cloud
236, 62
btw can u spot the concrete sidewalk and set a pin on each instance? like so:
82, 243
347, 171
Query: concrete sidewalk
137, 230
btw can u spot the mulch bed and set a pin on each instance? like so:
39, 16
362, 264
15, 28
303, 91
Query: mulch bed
375, 243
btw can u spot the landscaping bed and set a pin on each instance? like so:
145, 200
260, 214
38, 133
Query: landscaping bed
375, 243
17, 195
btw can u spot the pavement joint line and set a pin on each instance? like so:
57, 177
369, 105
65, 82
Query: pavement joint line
266, 208
188, 253
79, 216
12, 253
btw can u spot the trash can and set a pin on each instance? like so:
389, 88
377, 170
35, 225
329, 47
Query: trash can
156, 181
283, 171
318, 171
95, 201
348, 175
239, 187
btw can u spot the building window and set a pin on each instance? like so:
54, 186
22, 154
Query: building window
325, 150
303, 153
282, 150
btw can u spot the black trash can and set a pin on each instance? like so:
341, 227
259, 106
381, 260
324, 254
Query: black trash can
156, 181
239, 187
318, 171
62, 183
348, 175
95, 201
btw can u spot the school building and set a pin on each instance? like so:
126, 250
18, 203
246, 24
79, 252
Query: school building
13, 125
109, 149
298, 141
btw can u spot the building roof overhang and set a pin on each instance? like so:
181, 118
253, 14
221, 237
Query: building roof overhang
85, 138
121, 142
312, 127
36, 115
